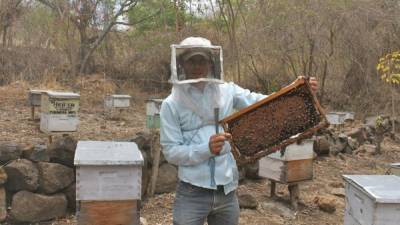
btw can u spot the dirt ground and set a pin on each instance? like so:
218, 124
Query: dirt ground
17, 126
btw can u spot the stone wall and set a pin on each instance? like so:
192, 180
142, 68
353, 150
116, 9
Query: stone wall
37, 182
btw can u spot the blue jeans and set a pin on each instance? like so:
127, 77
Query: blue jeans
195, 205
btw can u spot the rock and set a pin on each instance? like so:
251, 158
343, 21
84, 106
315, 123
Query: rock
368, 148
341, 156
22, 175
167, 179
30, 207
143, 221
321, 145
9, 151
70, 193
54, 177
252, 170
352, 143
3, 204
143, 140
3, 176
371, 121
278, 208
38, 153
334, 149
247, 201
326, 203
63, 151
340, 192
359, 134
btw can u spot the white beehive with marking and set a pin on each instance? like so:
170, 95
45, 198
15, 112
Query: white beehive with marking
153, 107
35, 97
372, 200
59, 112
108, 177
295, 165
117, 101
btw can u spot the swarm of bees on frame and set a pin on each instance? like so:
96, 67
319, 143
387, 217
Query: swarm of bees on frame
275, 121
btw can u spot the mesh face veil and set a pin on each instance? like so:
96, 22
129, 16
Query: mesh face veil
190, 47
183, 81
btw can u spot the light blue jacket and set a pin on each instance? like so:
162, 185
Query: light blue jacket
184, 139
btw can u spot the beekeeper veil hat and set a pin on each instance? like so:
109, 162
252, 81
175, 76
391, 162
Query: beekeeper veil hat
182, 86
190, 47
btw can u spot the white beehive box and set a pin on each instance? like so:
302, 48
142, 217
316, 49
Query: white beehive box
108, 170
395, 169
295, 165
117, 101
59, 112
372, 200
108, 182
338, 118
153, 107
35, 97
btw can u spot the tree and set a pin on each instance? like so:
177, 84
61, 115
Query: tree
9, 11
389, 70
88, 18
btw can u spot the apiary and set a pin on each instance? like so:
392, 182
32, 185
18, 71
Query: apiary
282, 118
296, 164
117, 101
372, 200
59, 112
108, 182
153, 107
395, 169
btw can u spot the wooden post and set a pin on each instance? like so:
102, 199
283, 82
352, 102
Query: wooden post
156, 150
273, 188
50, 139
294, 195
33, 112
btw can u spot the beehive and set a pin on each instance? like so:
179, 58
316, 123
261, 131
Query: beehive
279, 120
117, 101
59, 112
296, 164
372, 199
153, 113
35, 97
108, 182
338, 118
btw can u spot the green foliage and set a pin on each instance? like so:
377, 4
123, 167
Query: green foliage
164, 18
389, 68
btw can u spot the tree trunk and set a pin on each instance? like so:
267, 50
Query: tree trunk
4, 36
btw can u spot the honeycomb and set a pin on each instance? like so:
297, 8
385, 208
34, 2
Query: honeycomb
274, 121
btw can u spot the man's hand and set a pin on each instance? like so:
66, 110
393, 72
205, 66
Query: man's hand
217, 141
314, 84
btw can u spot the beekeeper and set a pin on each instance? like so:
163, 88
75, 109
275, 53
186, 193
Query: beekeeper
207, 172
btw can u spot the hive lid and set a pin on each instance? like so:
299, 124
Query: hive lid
121, 96
107, 153
56, 94
395, 165
156, 100
381, 188
36, 91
